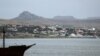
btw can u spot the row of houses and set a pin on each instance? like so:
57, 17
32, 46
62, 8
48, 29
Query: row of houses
48, 31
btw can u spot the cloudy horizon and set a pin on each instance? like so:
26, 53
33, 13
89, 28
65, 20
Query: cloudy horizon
50, 8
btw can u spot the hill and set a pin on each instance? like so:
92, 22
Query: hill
32, 19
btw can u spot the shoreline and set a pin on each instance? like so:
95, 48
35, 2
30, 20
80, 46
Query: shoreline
51, 38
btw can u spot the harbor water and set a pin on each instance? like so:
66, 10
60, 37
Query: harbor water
58, 47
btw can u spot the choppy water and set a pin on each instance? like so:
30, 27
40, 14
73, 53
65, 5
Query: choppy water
58, 47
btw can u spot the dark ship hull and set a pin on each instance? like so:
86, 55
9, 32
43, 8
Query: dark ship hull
14, 50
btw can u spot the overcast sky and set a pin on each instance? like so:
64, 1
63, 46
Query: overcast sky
50, 8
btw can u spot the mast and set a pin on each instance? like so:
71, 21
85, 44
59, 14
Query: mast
4, 37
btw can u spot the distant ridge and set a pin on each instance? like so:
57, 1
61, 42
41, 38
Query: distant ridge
64, 17
29, 18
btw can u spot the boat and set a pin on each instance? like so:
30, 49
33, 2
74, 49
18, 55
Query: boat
81, 36
13, 50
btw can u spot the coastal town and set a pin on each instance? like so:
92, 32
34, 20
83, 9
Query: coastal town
48, 31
